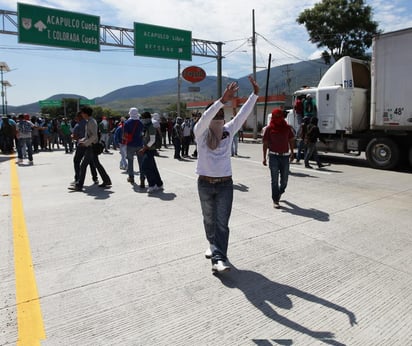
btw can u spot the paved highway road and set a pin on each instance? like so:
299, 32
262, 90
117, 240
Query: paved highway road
333, 266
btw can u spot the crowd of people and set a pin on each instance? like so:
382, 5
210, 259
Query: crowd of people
214, 142
35, 134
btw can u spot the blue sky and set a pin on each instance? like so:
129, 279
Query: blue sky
38, 72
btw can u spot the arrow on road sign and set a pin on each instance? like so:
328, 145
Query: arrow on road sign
40, 26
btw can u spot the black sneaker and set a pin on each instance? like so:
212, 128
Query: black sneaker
75, 188
130, 180
220, 266
105, 185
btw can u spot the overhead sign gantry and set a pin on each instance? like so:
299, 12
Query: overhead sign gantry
109, 36
50, 27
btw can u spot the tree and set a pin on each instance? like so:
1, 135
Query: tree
344, 27
172, 108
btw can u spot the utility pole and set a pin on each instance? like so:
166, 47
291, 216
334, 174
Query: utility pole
3, 68
267, 90
254, 70
288, 80
178, 88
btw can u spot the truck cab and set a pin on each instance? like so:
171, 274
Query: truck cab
346, 109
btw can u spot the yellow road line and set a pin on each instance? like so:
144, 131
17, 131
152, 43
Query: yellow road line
29, 318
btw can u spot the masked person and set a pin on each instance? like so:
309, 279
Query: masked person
279, 139
148, 162
90, 154
215, 185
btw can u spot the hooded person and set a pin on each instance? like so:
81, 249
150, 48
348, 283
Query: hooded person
279, 140
215, 185
132, 138
104, 133
118, 142
156, 125
148, 163
177, 137
156, 120
134, 113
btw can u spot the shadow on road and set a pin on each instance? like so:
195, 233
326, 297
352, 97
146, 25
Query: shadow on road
312, 213
269, 297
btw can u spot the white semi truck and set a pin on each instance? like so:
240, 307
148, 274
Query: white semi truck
367, 106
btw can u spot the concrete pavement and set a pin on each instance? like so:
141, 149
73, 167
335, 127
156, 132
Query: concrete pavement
118, 267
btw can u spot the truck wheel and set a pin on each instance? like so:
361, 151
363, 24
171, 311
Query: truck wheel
382, 153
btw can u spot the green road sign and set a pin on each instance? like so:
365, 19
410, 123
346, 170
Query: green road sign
161, 42
86, 102
50, 103
50, 27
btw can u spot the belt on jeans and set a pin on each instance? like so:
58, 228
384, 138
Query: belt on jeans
214, 180
280, 154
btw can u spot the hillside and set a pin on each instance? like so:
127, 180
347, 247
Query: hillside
160, 94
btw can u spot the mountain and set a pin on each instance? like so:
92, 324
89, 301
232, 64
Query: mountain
159, 94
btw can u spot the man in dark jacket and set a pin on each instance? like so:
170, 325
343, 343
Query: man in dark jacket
311, 137
148, 163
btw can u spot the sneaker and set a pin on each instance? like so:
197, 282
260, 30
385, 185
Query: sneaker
209, 251
220, 266
151, 189
308, 166
31, 163
75, 188
130, 180
276, 205
105, 185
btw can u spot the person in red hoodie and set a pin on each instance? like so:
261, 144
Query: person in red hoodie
279, 140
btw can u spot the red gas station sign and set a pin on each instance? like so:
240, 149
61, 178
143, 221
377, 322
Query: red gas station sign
194, 74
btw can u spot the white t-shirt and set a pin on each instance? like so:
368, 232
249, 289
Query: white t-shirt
217, 163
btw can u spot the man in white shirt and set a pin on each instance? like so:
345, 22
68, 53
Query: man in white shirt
215, 184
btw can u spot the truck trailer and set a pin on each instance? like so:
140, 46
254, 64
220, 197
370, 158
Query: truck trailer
366, 106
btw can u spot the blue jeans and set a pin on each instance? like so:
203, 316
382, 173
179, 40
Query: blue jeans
149, 169
279, 167
301, 150
25, 143
216, 203
130, 152
311, 153
123, 155
235, 143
